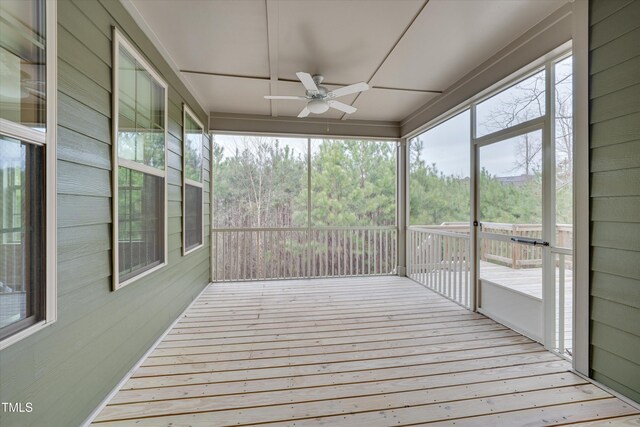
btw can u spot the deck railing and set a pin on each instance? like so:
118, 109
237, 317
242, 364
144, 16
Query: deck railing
288, 253
438, 256
440, 260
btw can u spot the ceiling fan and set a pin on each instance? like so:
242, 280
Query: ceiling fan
319, 98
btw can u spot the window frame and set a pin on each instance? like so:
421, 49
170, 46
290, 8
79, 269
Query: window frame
186, 181
48, 140
120, 41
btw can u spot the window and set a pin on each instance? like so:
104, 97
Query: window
140, 187
192, 206
27, 168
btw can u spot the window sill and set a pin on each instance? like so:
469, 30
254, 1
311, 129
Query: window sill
18, 336
119, 285
195, 248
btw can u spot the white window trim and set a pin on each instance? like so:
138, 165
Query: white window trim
120, 40
188, 111
48, 139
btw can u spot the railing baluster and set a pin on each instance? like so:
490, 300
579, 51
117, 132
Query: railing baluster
278, 253
561, 298
450, 267
338, 242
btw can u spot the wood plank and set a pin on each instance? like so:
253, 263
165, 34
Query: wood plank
335, 326
282, 353
344, 314
628, 421
222, 355
327, 313
436, 329
583, 412
331, 331
397, 354
461, 376
209, 376
317, 309
408, 409
314, 302
264, 407
249, 324
270, 345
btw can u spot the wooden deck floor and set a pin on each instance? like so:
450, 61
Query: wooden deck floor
369, 352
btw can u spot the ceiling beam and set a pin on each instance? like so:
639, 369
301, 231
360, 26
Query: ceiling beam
243, 76
272, 37
415, 17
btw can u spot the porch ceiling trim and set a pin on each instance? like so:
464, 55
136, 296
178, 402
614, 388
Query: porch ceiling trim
225, 123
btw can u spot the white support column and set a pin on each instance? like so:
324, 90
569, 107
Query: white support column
581, 185
474, 255
402, 205
549, 211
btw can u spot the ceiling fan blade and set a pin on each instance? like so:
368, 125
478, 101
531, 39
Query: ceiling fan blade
284, 97
342, 106
307, 81
348, 90
304, 113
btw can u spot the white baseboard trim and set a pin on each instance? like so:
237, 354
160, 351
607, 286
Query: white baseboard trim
128, 375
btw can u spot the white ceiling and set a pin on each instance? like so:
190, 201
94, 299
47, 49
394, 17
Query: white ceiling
232, 52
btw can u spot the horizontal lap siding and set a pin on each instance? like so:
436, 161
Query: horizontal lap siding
615, 194
68, 368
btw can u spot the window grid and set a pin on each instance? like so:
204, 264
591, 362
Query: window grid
28, 219
139, 182
193, 177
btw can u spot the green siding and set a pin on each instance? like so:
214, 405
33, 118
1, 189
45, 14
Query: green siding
67, 369
615, 194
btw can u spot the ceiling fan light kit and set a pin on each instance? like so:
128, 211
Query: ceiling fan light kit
319, 99
318, 106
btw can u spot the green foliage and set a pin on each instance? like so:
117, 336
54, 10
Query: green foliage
434, 197
353, 183
260, 185
264, 184
437, 198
